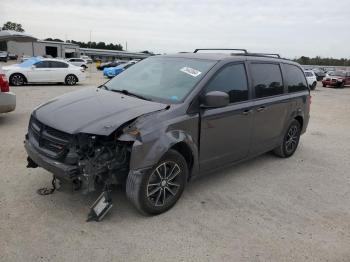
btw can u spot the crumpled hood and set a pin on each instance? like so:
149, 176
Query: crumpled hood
93, 111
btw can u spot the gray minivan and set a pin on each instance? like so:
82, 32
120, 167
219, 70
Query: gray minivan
168, 119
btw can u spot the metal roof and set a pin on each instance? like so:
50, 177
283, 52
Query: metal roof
9, 35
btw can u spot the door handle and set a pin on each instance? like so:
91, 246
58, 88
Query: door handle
247, 112
260, 109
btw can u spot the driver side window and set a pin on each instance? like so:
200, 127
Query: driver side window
232, 79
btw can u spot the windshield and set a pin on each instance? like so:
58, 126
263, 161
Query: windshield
308, 74
162, 78
338, 73
29, 62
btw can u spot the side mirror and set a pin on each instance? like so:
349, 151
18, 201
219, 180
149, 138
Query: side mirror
215, 99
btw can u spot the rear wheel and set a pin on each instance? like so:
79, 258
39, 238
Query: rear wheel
341, 85
17, 80
290, 141
158, 190
324, 85
71, 80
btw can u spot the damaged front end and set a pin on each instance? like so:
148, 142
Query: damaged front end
85, 161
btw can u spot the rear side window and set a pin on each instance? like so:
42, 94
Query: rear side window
267, 80
295, 79
56, 64
231, 80
43, 64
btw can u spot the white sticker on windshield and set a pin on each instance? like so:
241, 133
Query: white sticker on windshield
190, 71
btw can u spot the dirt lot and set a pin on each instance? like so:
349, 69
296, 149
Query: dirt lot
267, 209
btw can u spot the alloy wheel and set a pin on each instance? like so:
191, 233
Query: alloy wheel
164, 183
292, 138
17, 80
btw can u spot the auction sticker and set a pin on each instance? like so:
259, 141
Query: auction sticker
190, 71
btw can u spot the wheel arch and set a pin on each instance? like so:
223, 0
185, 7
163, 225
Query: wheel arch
146, 154
18, 73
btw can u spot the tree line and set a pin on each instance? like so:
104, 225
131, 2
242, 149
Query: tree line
95, 45
322, 61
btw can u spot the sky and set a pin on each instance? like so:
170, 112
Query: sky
292, 28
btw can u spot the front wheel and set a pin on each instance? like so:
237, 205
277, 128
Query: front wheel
71, 80
17, 80
290, 140
158, 190
313, 86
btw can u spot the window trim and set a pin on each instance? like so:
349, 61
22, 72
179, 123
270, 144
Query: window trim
254, 98
202, 92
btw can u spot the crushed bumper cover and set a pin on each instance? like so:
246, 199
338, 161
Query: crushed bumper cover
60, 170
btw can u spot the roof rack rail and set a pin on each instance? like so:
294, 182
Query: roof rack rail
264, 54
221, 49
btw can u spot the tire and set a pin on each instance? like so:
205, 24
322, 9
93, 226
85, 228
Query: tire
84, 66
324, 85
341, 85
290, 140
71, 80
17, 79
313, 86
156, 192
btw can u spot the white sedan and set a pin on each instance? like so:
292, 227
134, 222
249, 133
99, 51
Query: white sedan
311, 79
77, 62
44, 70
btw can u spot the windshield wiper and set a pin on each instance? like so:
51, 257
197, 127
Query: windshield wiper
128, 93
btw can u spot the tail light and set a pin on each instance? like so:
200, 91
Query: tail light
4, 84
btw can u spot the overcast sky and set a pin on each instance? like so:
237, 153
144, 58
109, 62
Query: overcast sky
292, 28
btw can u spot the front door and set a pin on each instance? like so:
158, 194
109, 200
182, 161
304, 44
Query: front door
225, 133
40, 72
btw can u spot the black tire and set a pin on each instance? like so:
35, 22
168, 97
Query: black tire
324, 85
341, 85
17, 79
71, 80
290, 140
156, 192
313, 86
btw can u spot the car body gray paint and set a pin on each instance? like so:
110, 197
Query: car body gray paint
163, 129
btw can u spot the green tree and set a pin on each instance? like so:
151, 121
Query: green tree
12, 26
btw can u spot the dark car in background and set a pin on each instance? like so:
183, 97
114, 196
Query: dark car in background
109, 64
320, 74
4, 56
337, 79
168, 119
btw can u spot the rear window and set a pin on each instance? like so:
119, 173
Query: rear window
267, 79
295, 79
308, 74
57, 64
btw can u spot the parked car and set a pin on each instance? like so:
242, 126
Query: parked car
168, 119
86, 58
311, 79
111, 72
13, 56
77, 62
25, 58
320, 74
4, 56
44, 70
7, 99
337, 79
329, 73
109, 64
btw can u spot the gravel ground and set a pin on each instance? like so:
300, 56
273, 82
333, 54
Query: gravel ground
266, 209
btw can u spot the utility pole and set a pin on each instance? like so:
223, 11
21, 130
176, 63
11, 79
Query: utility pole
90, 37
